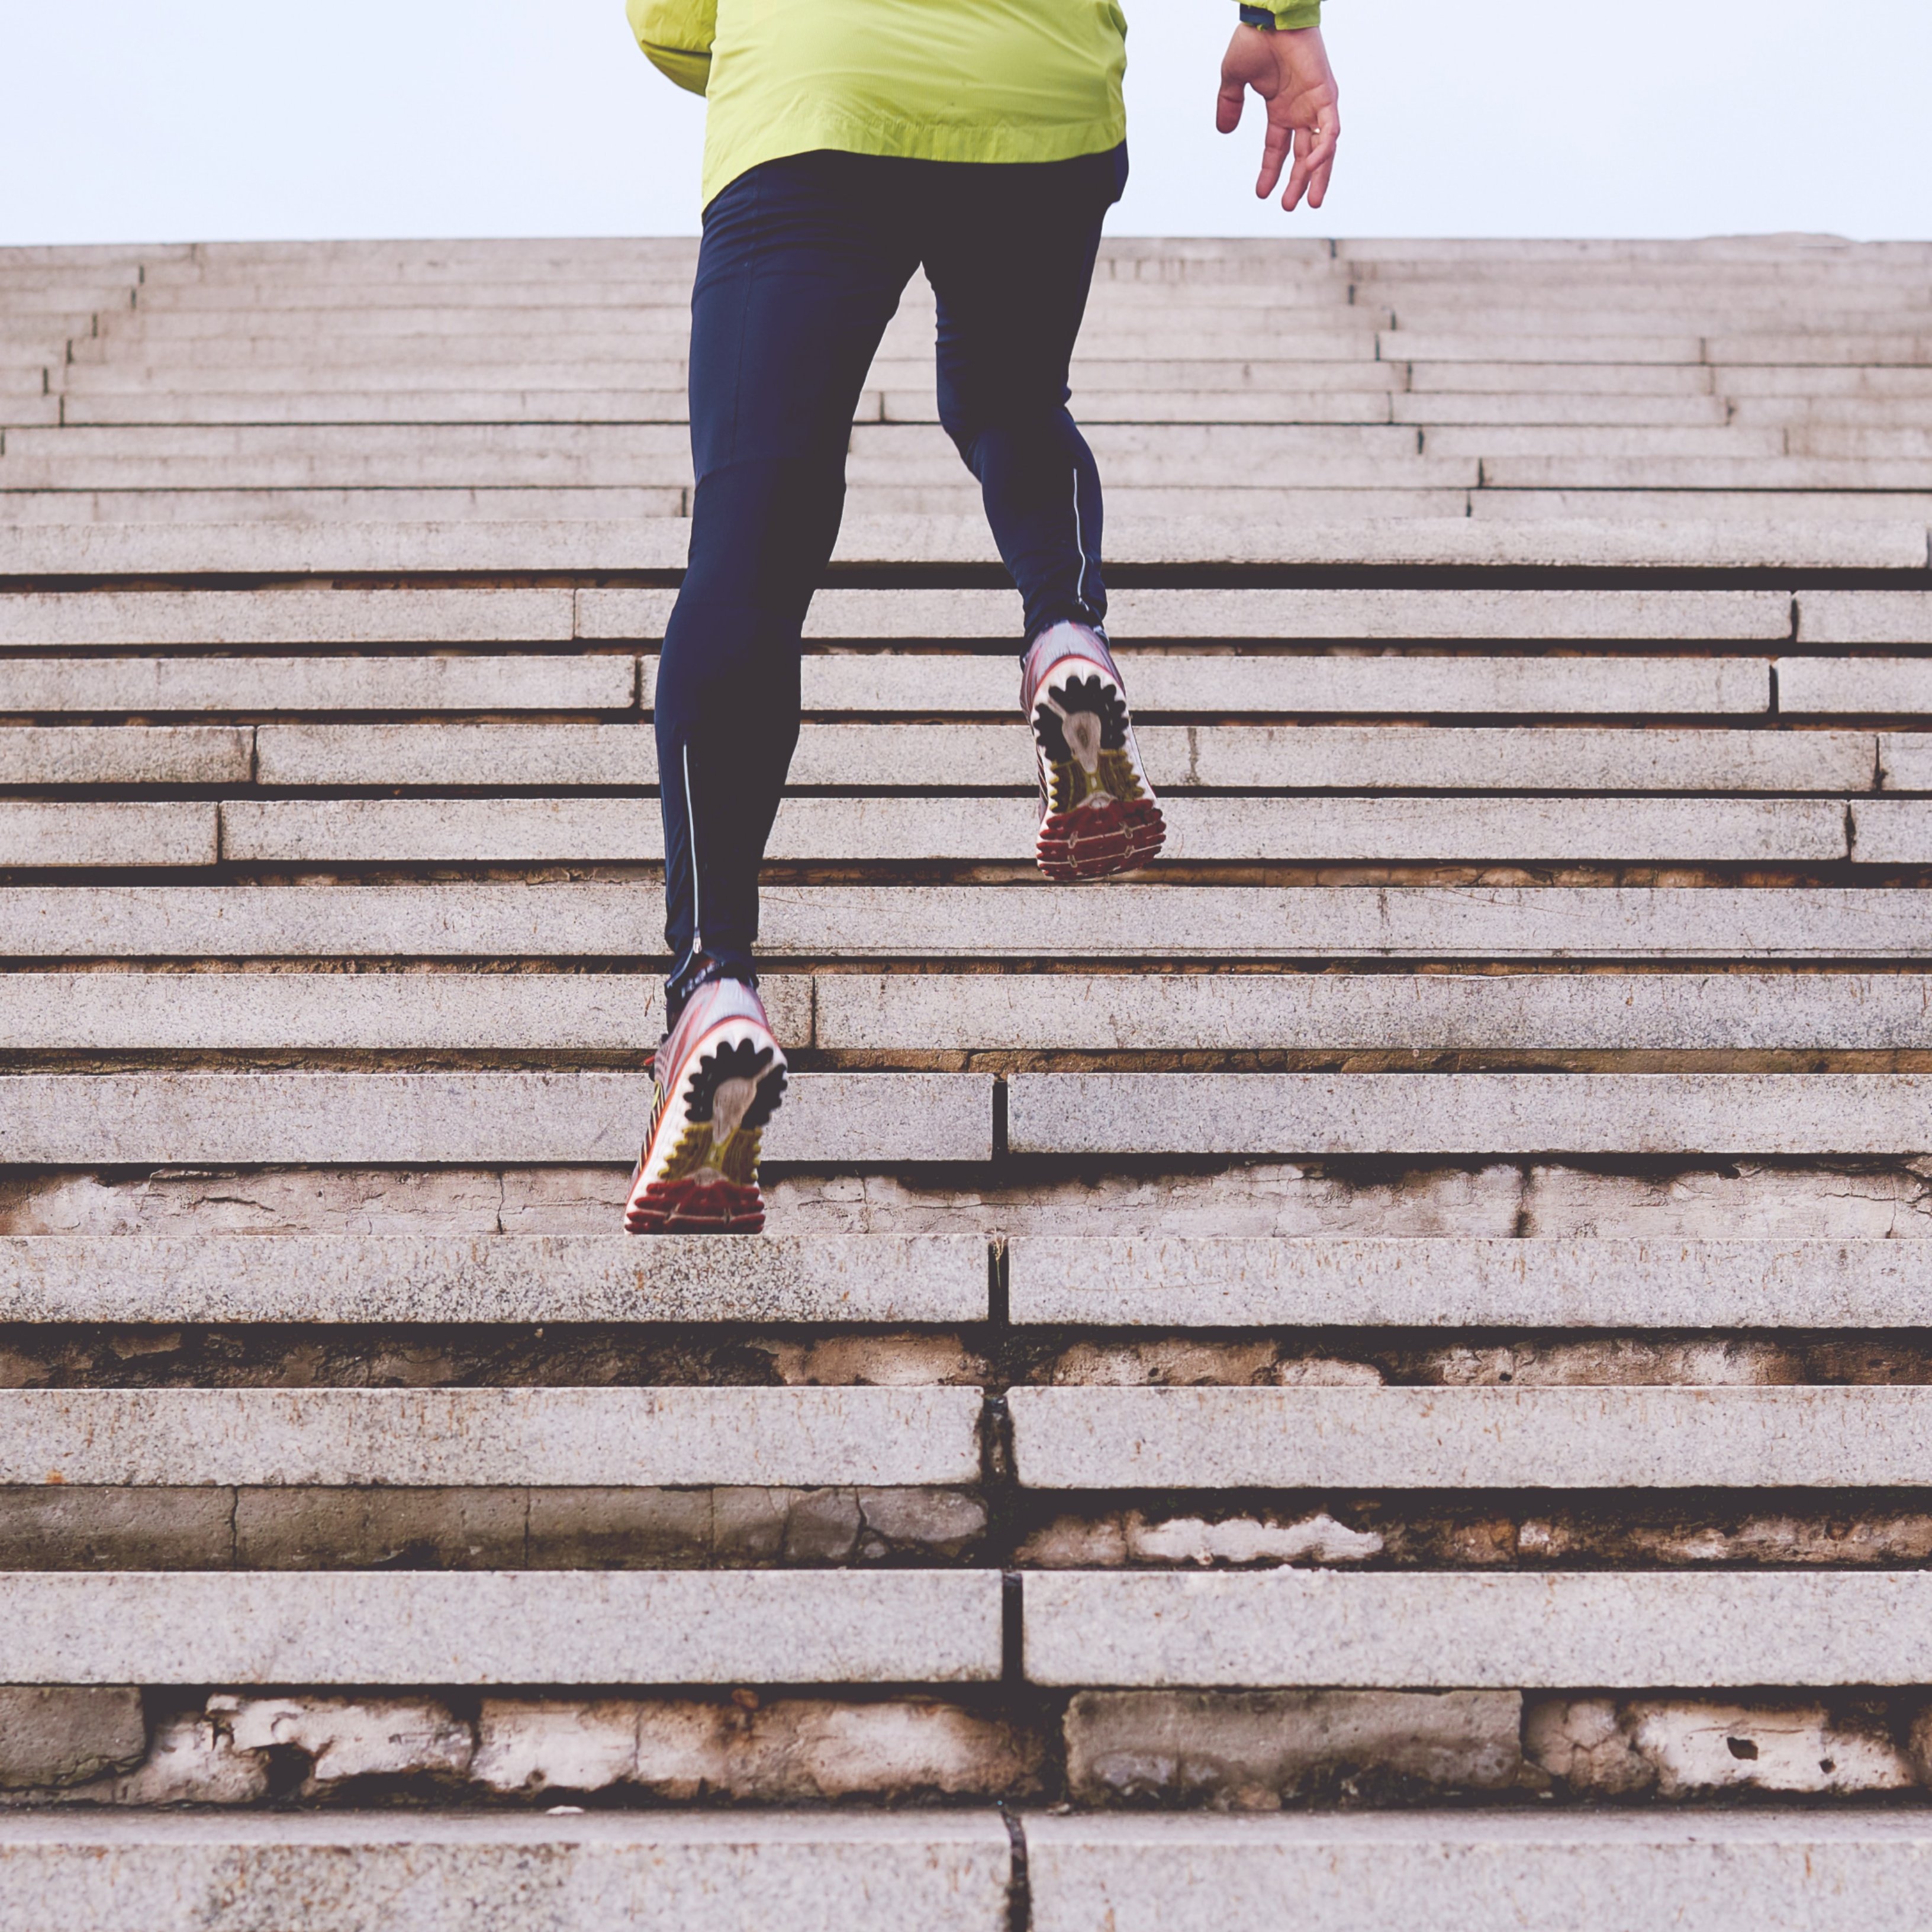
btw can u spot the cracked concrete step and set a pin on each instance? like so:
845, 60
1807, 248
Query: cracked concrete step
1450, 1629
820, 1871
332, 1012
38, 832
125, 754
1225, 1282
1686, 537
405, 1119
502, 1626
494, 1279
1331, 1114
471, 1438
1292, 830
269, 685
1360, 1012
1602, 1438
483, 920
1760, 1870
922, 757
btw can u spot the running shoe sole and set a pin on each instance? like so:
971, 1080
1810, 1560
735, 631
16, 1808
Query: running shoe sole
1101, 815
704, 1141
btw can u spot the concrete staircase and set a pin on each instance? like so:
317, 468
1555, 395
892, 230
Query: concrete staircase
1380, 1373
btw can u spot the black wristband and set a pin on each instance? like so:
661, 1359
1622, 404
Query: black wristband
1258, 16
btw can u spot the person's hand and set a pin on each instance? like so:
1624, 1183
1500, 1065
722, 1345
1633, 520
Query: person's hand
1290, 71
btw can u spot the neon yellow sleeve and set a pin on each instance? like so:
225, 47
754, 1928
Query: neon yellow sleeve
675, 36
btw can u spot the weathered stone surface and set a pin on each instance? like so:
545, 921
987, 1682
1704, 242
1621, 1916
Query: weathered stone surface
47, 832
1426, 1012
1112, 1539
1471, 1437
947, 1871
148, 1119
427, 1437
247, 684
344, 1739
1891, 832
783, 1752
59, 1735
636, 1627
1603, 1748
305, 1528
547, 1012
1905, 760
49, 1527
1250, 1750
1451, 1631
1460, 1873
1467, 1113
482, 919
584, 1278
1535, 1282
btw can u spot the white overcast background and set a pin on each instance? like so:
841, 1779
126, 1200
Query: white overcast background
129, 121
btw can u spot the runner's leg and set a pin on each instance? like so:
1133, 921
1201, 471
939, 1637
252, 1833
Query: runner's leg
1009, 250
801, 265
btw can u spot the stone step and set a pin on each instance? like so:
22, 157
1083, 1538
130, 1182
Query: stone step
1435, 407
1436, 1114
471, 1437
1438, 345
1894, 832
1448, 1630
125, 754
502, 1626
1583, 440
1296, 830
36, 833
1171, 1282
337, 1012
40, 620
1462, 1439
1410, 684
1459, 1871
1869, 617
1885, 383
925, 757
1502, 378
65, 620
482, 920
1418, 1012
924, 1012
816, 1871
266, 686
496, 1278
1696, 472
406, 1119
392, 545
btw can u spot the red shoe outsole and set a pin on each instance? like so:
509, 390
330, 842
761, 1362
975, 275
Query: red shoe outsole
1098, 841
693, 1206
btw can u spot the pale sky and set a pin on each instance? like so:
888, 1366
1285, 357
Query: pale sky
127, 120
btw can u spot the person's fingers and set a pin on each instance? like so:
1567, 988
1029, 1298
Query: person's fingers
1228, 104
1275, 146
1314, 162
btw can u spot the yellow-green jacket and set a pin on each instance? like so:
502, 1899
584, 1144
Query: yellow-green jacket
943, 80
